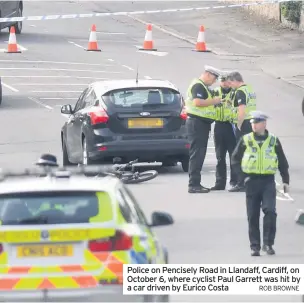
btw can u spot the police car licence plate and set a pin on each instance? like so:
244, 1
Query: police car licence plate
32, 251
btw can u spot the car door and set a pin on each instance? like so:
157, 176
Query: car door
148, 240
71, 144
8, 8
80, 121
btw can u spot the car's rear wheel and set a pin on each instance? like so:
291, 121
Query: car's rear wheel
18, 25
85, 154
185, 165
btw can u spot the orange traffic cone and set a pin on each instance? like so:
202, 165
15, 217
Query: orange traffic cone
12, 42
93, 46
148, 42
201, 44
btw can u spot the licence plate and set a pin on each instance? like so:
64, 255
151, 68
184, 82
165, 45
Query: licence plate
33, 251
145, 123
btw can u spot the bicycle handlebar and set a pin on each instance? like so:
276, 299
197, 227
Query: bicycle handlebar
132, 162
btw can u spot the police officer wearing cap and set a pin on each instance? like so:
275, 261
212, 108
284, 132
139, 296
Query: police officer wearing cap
224, 138
47, 160
244, 102
201, 110
259, 155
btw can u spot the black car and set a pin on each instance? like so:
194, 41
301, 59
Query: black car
126, 119
0, 91
10, 9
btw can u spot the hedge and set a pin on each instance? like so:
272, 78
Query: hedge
292, 10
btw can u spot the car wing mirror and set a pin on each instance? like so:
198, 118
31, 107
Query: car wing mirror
161, 219
67, 109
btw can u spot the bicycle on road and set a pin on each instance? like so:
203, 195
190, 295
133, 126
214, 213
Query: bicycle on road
127, 173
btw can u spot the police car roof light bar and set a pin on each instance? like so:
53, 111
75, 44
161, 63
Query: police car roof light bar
58, 172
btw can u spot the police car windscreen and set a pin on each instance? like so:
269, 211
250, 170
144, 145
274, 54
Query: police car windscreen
143, 97
50, 207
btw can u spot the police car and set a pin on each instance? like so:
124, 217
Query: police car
65, 236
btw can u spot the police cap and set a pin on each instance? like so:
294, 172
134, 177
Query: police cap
215, 72
258, 116
47, 160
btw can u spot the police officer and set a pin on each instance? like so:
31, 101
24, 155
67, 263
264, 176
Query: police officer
244, 102
201, 114
47, 160
259, 155
224, 138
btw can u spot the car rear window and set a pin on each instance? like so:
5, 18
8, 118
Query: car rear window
54, 208
138, 97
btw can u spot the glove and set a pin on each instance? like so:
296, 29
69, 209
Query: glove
285, 188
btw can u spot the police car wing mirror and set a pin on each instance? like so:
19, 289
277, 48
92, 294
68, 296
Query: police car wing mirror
67, 109
161, 219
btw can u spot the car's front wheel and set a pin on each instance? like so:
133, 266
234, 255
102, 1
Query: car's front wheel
0, 92
65, 157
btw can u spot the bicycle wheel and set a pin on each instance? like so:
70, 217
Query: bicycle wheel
141, 177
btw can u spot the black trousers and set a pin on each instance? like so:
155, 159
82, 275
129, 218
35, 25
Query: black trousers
245, 129
198, 136
224, 141
261, 193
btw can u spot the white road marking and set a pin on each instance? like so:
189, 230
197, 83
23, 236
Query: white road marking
106, 33
111, 60
155, 53
50, 84
40, 103
20, 47
35, 76
286, 196
128, 67
58, 91
241, 43
71, 42
58, 69
10, 87
58, 99
32, 25
56, 62
147, 77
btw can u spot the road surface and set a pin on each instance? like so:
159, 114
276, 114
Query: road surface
54, 68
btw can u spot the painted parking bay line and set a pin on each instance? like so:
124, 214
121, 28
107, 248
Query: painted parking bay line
20, 47
51, 84
59, 69
55, 62
10, 87
155, 53
35, 76
58, 91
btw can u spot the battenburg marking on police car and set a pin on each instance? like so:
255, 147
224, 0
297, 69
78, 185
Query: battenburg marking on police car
234, 279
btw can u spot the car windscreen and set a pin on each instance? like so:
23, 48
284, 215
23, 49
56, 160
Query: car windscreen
143, 97
54, 207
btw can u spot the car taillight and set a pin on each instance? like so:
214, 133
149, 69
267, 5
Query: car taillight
99, 116
183, 114
120, 241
